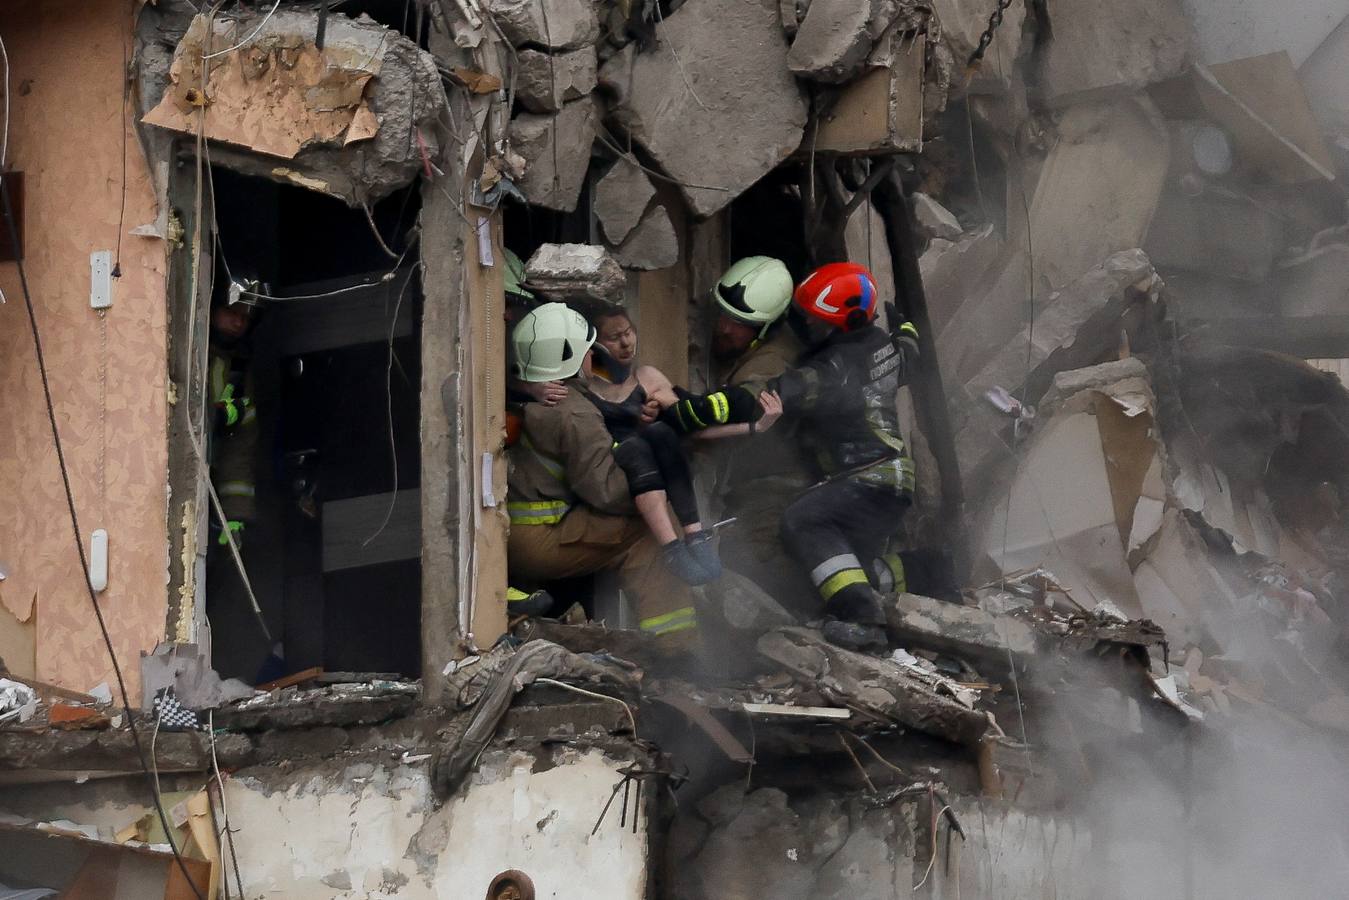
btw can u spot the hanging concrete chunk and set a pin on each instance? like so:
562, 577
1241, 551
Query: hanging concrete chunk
713, 102
836, 37
652, 244
575, 272
934, 219
1100, 50
557, 151
340, 120
564, 25
544, 82
621, 197
1071, 329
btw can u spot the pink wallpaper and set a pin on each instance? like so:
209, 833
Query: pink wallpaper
108, 372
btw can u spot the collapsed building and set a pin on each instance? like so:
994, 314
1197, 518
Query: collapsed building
1119, 229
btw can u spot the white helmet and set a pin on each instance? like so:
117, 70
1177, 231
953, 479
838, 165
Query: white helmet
756, 290
550, 342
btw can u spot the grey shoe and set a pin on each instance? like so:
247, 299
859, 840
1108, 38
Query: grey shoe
704, 553
852, 636
680, 561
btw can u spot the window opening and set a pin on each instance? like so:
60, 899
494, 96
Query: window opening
325, 391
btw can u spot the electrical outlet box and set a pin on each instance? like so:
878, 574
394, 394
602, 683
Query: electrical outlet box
100, 279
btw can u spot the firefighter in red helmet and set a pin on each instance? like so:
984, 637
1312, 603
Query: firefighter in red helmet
842, 394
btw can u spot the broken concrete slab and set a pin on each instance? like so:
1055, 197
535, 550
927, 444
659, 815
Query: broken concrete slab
544, 82
1236, 29
1099, 51
865, 240
1129, 375
1220, 235
745, 605
1323, 77
1070, 329
653, 244
563, 25
556, 149
1080, 535
575, 272
683, 100
935, 220
1095, 196
835, 38
954, 270
966, 631
962, 24
335, 120
1263, 110
876, 687
880, 112
621, 197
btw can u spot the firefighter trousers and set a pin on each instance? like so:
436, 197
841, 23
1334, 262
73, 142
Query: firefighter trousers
835, 530
586, 542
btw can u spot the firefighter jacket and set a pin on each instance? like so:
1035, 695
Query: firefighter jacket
775, 453
842, 396
234, 438
564, 457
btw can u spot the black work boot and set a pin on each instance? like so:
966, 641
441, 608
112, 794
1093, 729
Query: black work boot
852, 636
680, 561
857, 618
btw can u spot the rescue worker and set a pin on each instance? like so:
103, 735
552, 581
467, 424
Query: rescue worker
842, 395
754, 478
234, 436
570, 506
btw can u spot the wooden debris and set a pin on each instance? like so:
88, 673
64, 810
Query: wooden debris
291, 680
875, 687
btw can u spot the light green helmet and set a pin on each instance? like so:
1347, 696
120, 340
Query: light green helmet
550, 342
755, 290
515, 276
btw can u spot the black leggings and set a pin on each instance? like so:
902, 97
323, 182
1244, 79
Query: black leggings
653, 461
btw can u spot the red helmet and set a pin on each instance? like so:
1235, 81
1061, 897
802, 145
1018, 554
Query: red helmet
839, 294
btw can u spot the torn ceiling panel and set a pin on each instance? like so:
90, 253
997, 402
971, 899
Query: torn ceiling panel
356, 120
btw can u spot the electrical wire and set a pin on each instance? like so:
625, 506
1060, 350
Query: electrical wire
203, 467
75, 526
224, 808
256, 32
632, 720
388, 406
4, 140
933, 861
121, 212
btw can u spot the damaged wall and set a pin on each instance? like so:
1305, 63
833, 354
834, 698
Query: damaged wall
356, 119
362, 827
67, 135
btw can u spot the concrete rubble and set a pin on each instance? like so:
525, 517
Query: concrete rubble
621, 197
575, 272
561, 25
653, 244
544, 82
556, 149
334, 120
1098, 51
681, 100
1132, 423
835, 38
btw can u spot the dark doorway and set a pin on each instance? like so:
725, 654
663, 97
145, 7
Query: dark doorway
333, 368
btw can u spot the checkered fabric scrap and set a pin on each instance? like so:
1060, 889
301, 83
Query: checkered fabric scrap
172, 715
